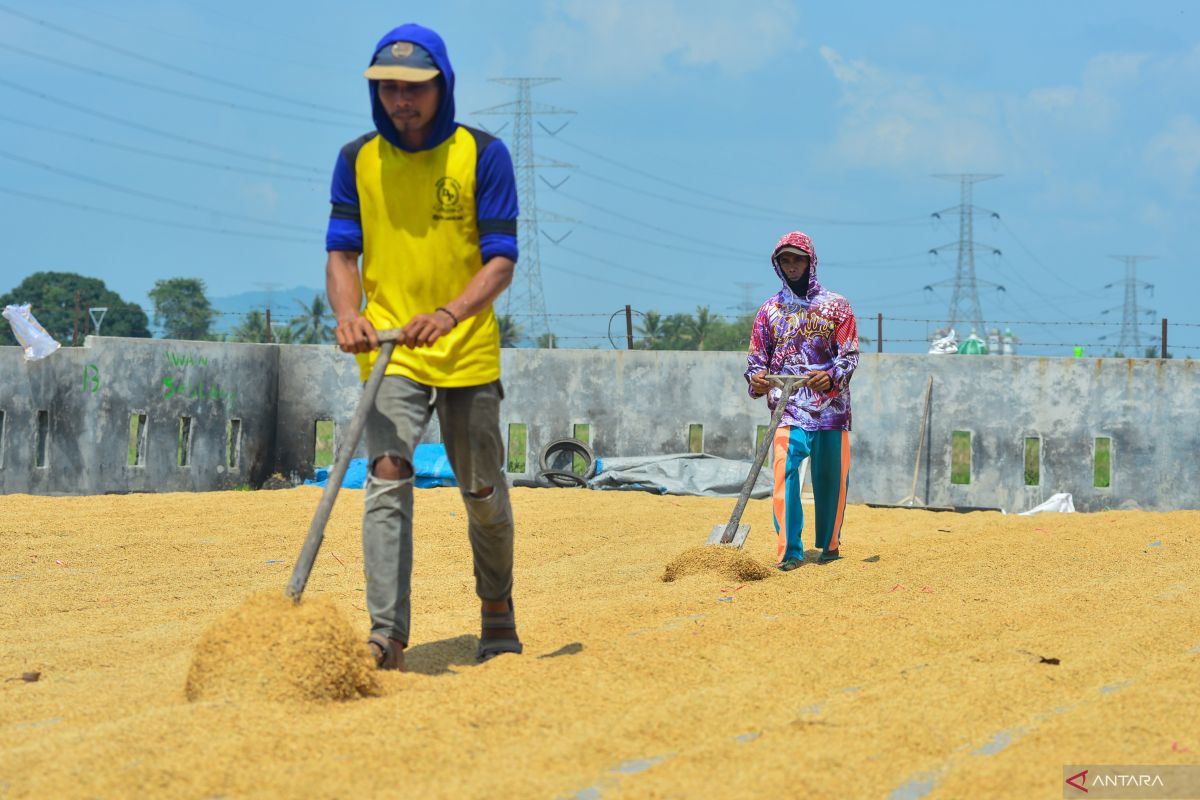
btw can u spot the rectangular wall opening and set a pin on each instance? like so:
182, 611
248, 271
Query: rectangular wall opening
583, 432
137, 440
41, 454
233, 443
695, 438
518, 441
960, 457
1033, 461
183, 446
323, 443
1102, 463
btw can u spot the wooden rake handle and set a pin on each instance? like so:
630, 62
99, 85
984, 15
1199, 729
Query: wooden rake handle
789, 384
316, 530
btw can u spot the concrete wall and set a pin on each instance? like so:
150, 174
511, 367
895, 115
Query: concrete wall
89, 394
634, 402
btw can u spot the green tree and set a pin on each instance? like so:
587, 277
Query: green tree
650, 329
252, 329
547, 341
702, 325
284, 334
313, 325
52, 296
730, 335
678, 332
182, 308
510, 331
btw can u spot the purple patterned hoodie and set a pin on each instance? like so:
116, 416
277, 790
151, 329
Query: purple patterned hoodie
794, 335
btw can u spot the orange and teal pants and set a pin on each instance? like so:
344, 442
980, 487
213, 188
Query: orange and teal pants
829, 465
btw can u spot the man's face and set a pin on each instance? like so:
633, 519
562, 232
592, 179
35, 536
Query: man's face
411, 106
793, 266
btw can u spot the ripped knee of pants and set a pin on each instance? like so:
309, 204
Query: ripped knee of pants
387, 474
488, 506
391, 467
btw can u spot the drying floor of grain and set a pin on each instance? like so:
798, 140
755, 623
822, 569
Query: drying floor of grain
916, 666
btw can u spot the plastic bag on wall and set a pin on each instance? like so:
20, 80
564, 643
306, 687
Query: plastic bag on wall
947, 344
1062, 503
29, 332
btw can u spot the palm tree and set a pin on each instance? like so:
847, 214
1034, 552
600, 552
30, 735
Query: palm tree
285, 334
677, 332
252, 329
312, 326
702, 325
651, 330
510, 331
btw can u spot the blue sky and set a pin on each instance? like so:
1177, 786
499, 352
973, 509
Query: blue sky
703, 130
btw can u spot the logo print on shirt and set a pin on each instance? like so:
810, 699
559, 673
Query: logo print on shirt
449, 199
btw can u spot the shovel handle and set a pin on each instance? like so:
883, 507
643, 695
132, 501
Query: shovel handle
789, 384
316, 531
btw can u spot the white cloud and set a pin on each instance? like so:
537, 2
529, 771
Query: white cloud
635, 39
903, 121
1174, 154
1092, 106
896, 120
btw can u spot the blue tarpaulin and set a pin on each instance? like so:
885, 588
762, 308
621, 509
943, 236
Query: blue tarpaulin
429, 462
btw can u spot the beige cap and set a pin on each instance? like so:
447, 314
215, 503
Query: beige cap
402, 61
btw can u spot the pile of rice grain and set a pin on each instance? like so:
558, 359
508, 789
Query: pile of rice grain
271, 648
716, 559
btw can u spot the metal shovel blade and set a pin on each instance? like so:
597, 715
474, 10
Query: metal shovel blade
739, 535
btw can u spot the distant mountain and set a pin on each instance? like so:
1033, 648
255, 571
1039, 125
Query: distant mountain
234, 307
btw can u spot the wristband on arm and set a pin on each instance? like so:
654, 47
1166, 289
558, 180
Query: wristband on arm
449, 313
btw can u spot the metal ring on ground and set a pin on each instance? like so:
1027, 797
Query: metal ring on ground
572, 446
567, 480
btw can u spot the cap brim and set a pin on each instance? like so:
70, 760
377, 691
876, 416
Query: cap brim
393, 72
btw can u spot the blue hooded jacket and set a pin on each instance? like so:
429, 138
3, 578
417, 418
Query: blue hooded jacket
496, 190
443, 122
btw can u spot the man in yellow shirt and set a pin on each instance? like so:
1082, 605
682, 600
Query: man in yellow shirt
431, 207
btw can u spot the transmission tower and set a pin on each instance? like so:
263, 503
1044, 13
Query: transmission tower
1131, 340
964, 300
524, 297
747, 305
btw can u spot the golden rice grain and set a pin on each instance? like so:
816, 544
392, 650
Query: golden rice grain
715, 559
271, 648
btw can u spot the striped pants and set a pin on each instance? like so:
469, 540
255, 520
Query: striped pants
829, 465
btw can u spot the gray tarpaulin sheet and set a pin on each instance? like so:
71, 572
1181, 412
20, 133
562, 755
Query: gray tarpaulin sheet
685, 473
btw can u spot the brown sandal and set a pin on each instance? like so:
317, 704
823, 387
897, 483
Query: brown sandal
498, 620
388, 653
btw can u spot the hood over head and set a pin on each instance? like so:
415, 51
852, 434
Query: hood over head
443, 122
797, 241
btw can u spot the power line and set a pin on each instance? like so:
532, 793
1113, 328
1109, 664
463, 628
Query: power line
964, 303
208, 43
58, 201
173, 158
669, 246
1131, 340
147, 195
526, 289
170, 67
96, 73
692, 190
76, 108
665, 231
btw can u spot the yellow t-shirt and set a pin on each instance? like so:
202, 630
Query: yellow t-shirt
420, 250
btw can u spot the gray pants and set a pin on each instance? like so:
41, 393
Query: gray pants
470, 424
